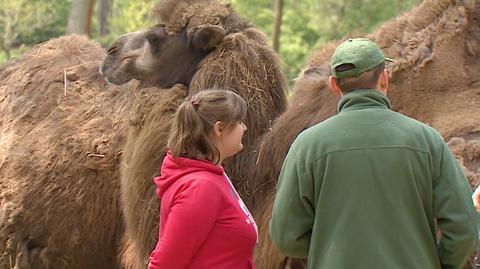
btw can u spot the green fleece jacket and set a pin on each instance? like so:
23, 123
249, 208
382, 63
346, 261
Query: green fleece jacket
367, 189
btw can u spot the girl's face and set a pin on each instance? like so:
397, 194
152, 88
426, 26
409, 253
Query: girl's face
229, 141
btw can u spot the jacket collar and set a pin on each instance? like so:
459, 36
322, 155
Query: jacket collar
175, 168
362, 99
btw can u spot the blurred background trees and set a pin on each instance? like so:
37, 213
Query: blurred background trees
295, 27
80, 17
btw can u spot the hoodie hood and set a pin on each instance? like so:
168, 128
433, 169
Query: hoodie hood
175, 168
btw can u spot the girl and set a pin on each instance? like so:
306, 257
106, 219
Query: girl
203, 222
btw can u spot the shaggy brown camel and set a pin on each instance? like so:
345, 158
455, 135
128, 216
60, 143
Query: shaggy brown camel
78, 155
434, 79
62, 133
224, 51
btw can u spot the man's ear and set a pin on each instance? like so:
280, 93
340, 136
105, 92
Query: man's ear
206, 38
332, 83
383, 82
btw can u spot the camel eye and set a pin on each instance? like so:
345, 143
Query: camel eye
112, 50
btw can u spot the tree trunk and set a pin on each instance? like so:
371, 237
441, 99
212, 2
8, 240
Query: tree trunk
7, 35
80, 19
278, 24
6, 49
104, 15
91, 5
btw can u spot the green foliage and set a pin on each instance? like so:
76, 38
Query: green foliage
343, 16
30, 22
259, 12
131, 16
299, 35
125, 16
306, 24
14, 53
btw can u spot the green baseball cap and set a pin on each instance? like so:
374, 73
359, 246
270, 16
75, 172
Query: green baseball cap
362, 53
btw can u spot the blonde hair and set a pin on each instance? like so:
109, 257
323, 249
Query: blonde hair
190, 135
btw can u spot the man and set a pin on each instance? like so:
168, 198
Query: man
368, 187
476, 203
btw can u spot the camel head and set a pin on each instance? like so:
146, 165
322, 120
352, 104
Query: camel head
159, 58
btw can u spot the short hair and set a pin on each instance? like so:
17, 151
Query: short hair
190, 134
366, 80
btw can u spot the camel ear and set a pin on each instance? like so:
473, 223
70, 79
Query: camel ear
206, 38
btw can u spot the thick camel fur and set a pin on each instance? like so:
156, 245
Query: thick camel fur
59, 167
241, 62
434, 79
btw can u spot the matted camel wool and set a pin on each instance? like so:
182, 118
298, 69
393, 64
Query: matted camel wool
78, 155
242, 62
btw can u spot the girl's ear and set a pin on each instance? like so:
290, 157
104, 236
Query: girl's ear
218, 128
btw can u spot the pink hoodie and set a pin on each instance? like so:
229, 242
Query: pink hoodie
203, 222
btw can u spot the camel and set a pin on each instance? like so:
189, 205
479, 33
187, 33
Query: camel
239, 59
434, 79
78, 154
60, 143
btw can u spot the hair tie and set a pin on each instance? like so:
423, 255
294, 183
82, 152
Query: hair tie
195, 104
